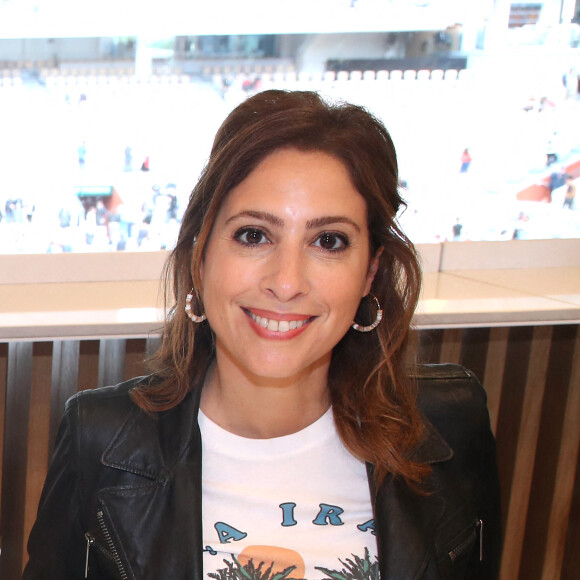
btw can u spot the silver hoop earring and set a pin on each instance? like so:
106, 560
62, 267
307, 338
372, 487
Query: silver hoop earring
197, 319
376, 322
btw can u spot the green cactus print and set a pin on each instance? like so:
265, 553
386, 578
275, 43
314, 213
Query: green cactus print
356, 569
236, 571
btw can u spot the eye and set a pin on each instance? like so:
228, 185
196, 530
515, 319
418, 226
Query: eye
332, 242
251, 236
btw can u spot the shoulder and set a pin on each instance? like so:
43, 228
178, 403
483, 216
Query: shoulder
447, 385
99, 413
105, 398
452, 399
454, 406
106, 426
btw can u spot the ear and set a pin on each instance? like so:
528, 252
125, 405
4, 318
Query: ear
373, 268
201, 269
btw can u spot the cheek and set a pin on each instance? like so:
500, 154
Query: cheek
345, 291
223, 278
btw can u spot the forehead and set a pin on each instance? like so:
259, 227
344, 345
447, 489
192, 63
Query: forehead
297, 183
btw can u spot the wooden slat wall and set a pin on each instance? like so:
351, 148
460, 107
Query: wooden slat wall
531, 375
532, 379
14, 468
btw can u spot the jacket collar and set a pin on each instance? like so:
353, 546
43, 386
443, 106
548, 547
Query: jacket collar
432, 448
163, 439
162, 447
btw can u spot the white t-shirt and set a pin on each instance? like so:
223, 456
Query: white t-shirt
300, 503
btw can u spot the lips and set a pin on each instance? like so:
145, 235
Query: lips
284, 323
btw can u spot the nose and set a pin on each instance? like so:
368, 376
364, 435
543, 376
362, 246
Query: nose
286, 277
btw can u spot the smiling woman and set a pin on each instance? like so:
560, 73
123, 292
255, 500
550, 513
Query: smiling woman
285, 431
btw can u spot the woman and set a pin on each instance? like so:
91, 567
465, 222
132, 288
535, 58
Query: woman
281, 434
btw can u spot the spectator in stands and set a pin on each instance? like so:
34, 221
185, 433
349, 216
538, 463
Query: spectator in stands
557, 179
102, 213
465, 161
82, 154
11, 210
90, 225
570, 192
457, 227
128, 158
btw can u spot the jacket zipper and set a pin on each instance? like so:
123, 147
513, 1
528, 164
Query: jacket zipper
463, 546
90, 542
113, 554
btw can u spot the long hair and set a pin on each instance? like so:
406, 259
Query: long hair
372, 393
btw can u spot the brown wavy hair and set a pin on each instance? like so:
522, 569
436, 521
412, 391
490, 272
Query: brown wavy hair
372, 393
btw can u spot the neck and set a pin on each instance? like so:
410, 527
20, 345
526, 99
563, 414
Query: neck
263, 407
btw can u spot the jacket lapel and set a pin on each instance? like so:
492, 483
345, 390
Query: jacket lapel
155, 521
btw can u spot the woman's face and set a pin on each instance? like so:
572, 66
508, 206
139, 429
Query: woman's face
286, 265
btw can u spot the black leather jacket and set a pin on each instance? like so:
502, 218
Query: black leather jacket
123, 492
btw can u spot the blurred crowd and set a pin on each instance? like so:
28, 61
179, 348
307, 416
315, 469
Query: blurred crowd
111, 167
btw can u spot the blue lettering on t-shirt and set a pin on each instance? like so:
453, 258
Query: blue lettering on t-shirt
328, 514
288, 514
370, 525
227, 533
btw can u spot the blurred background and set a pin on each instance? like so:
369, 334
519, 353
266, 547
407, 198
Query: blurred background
108, 109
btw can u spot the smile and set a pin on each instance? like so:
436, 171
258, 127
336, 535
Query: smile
277, 325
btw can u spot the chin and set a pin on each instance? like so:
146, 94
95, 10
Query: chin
289, 370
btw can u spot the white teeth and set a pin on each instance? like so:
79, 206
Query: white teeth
277, 325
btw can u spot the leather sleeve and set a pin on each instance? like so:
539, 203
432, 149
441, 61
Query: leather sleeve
456, 404
56, 542
488, 500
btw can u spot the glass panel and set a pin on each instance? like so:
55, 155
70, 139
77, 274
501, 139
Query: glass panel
108, 110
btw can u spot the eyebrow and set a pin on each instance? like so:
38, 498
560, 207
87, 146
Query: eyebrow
310, 224
329, 220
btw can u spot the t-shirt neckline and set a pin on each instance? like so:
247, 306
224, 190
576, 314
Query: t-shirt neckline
217, 438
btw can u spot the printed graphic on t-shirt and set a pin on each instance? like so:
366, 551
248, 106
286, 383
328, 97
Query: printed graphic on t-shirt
268, 562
